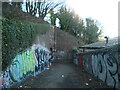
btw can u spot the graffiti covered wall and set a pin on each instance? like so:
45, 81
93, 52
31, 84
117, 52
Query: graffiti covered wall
104, 64
30, 62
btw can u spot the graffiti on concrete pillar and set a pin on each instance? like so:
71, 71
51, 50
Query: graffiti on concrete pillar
105, 69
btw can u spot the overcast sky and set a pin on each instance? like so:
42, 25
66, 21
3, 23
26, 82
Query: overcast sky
105, 11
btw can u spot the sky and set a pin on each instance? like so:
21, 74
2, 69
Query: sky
105, 11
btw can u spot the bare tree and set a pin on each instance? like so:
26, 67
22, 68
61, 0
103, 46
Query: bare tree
40, 7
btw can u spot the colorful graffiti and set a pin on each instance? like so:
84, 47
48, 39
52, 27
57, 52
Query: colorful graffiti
31, 62
42, 57
22, 65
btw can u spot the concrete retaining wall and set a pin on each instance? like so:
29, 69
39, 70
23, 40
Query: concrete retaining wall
104, 64
32, 61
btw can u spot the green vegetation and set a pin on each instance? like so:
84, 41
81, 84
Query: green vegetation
18, 36
18, 33
87, 30
92, 31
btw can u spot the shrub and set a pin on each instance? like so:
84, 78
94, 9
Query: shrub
18, 36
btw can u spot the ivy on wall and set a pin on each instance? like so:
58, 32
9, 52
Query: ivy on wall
18, 36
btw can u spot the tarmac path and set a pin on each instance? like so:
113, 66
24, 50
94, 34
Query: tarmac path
63, 75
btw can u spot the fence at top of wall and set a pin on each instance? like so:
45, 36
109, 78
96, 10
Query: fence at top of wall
31, 62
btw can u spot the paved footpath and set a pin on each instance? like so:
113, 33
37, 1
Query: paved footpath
63, 75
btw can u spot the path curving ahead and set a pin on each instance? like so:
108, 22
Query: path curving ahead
63, 75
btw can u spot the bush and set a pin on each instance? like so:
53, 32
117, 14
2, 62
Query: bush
18, 36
